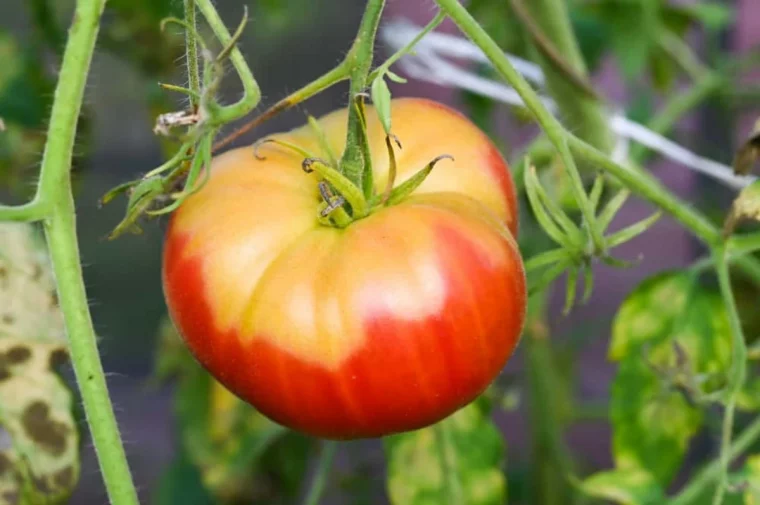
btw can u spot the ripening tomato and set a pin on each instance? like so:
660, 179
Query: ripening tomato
387, 325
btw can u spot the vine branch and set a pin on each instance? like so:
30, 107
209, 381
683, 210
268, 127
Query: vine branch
54, 204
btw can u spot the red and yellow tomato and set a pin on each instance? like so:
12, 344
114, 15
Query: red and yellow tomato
387, 325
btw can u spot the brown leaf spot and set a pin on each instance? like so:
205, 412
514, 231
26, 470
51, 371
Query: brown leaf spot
59, 357
8, 318
64, 478
36, 272
18, 354
5, 374
11, 498
5, 464
42, 485
48, 433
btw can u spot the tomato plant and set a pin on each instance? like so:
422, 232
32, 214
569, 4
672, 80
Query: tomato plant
361, 276
387, 324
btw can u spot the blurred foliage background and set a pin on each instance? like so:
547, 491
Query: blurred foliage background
643, 53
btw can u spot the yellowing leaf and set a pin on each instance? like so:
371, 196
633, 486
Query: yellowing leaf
673, 342
745, 207
627, 487
458, 460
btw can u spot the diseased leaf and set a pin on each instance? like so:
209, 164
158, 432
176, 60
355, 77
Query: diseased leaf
647, 314
749, 152
627, 487
652, 424
674, 345
462, 455
39, 439
746, 207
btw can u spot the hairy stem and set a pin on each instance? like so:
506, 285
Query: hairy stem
583, 110
352, 162
55, 205
319, 482
738, 371
649, 188
191, 54
334, 76
251, 90
553, 128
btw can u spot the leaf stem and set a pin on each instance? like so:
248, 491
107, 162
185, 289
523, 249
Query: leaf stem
738, 370
648, 187
696, 487
35, 210
251, 90
334, 76
54, 202
360, 61
319, 482
551, 126
575, 103
191, 54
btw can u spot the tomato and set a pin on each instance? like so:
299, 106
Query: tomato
387, 325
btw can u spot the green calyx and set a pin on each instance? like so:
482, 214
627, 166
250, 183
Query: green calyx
343, 202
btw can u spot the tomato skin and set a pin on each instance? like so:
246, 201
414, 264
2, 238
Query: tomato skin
386, 326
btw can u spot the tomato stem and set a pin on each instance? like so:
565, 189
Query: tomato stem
353, 162
191, 55
319, 482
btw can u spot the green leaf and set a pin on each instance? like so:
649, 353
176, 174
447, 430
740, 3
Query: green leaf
627, 487
674, 344
381, 98
459, 461
240, 454
39, 456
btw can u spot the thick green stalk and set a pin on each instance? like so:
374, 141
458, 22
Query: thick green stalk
251, 90
352, 163
553, 128
738, 371
551, 461
191, 54
584, 113
319, 482
35, 210
54, 195
316, 86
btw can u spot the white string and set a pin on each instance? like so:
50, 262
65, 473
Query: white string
428, 63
